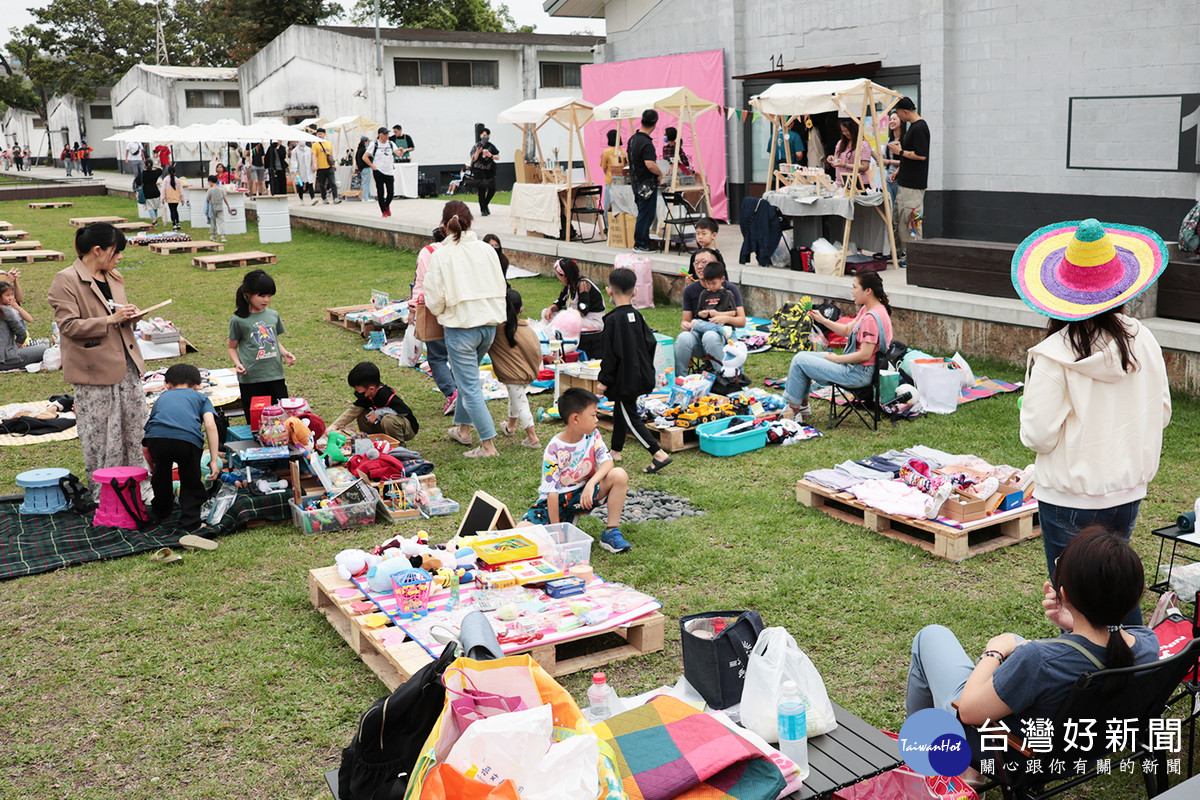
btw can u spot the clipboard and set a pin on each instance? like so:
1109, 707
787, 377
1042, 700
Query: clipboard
144, 311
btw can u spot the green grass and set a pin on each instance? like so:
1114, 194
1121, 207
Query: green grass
216, 678
500, 199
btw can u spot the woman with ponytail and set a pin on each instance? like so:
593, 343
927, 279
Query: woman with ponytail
465, 290
1097, 582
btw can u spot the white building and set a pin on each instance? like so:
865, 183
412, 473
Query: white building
1039, 112
26, 129
161, 95
437, 84
72, 120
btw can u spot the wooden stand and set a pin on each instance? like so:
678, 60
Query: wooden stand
29, 256
338, 315
80, 222
244, 259
940, 540
25, 244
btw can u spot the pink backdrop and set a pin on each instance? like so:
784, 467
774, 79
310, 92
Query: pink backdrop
703, 73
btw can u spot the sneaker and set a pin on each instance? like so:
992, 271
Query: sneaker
612, 541
326, 202
337, 200
641, 249
933, 506
315, 201
804, 412
987, 487
451, 404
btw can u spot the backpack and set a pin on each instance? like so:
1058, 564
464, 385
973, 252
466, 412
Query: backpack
1189, 232
791, 328
78, 497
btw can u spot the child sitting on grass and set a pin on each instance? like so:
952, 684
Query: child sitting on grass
173, 437
376, 407
578, 472
15, 350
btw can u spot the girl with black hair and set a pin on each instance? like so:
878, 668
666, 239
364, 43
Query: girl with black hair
254, 347
516, 359
579, 294
1097, 582
100, 354
843, 158
172, 193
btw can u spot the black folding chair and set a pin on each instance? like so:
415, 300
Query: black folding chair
680, 215
587, 203
863, 401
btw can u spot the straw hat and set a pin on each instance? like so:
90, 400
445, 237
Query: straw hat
1076, 270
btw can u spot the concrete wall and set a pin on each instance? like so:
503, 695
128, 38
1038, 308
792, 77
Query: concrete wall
143, 97
18, 127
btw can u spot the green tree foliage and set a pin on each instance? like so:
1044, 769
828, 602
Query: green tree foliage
259, 21
451, 15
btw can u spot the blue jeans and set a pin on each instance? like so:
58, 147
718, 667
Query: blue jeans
938, 671
689, 344
810, 368
466, 348
647, 208
1060, 524
439, 366
365, 176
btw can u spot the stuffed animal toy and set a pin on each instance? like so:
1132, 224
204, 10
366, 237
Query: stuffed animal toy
379, 577
298, 432
735, 356
379, 468
352, 563
333, 447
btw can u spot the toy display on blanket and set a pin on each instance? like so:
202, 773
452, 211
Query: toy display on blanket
142, 239
220, 385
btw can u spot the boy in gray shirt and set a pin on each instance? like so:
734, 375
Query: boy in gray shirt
218, 204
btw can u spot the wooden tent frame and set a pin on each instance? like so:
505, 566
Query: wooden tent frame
872, 94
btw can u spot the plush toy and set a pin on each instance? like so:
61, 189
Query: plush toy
333, 447
379, 468
352, 563
298, 432
735, 356
379, 577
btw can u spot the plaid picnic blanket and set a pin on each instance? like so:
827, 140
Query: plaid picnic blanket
668, 749
33, 543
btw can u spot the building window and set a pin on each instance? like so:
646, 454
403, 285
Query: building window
38, 122
209, 98
561, 76
100, 112
437, 72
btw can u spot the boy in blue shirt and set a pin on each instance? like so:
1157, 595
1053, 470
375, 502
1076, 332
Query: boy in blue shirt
174, 437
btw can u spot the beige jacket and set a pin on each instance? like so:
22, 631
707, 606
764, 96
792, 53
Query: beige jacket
93, 351
465, 287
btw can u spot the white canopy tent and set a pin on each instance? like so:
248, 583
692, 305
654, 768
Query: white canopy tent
678, 101
568, 112
857, 98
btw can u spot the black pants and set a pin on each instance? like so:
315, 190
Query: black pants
174, 209
326, 182
168, 452
385, 190
86, 164
487, 190
647, 208
276, 389
627, 420
300, 187
278, 181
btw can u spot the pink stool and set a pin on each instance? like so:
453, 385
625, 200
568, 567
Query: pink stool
112, 512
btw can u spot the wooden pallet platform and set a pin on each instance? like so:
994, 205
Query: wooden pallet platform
338, 316
133, 227
79, 222
22, 244
942, 541
11, 234
242, 259
396, 664
5, 225
198, 246
52, 205
29, 256
671, 440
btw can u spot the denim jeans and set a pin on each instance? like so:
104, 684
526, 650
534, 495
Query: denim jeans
646, 210
1060, 524
466, 348
439, 366
810, 368
365, 179
938, 671
689, 344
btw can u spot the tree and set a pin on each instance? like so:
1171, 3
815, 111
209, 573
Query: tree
258, 22
451, 15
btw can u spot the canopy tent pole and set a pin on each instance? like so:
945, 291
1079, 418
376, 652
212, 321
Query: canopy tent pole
852, 188
700, 165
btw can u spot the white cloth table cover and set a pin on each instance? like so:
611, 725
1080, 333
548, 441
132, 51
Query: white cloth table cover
535, 208
406, 176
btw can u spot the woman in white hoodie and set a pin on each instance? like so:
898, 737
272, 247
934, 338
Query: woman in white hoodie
465, 290
1096, 393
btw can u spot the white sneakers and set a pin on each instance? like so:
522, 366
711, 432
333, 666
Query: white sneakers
933, 505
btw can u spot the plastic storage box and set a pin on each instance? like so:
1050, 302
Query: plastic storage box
563, 544
734, 443
333, 518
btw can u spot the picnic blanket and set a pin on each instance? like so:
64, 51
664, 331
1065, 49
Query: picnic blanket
33, 543
16, 439
984, 387
668, 749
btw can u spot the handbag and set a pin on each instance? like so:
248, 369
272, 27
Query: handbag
715, 661
427, 325
473, 704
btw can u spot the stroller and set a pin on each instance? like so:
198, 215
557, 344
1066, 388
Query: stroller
464, 183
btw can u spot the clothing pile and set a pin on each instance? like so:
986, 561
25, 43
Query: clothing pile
157, 238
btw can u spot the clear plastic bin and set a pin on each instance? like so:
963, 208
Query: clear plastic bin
562, 544
334, 518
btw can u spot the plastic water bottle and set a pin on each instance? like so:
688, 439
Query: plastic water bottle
53, 333
600, 695
793, 727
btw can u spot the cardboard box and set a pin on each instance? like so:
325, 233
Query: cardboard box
620, 230
960, 509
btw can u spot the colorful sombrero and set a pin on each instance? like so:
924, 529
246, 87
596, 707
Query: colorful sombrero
1076, 270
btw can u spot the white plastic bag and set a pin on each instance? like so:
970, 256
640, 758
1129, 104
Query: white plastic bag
966, 377
939, 387
777, 658
52, 358
410, 353
519, 746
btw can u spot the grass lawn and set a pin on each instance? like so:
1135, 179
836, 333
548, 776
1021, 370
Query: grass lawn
500, 199
216, 678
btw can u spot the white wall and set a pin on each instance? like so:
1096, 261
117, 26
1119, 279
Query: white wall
18, 127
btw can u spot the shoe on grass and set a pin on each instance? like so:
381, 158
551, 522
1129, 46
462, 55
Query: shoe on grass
451, 403
614, 542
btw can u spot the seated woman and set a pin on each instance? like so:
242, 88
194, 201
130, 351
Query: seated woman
223, 175
670, 142
853, 366
1098, 580
14, 352
579, 294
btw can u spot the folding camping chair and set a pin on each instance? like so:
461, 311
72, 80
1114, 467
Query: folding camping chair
587, 203
680, 215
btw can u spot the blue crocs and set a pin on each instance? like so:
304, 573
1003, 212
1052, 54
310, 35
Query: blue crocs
612, 541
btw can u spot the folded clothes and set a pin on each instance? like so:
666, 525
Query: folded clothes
892, 497
891, 468
936, 459
1186, 522
862, 471
834, 479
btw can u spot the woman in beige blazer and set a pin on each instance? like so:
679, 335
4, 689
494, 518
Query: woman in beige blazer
100, 354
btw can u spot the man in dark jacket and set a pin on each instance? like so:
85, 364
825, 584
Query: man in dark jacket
277, 164
627, 369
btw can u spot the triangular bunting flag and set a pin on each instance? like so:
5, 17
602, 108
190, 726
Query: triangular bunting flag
729, 113
745, 115
755, 117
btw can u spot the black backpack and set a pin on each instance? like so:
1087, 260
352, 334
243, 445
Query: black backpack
390, 735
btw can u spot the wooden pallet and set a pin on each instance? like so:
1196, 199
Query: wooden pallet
243, 259
10, 234
51, 205
23, 244
5, 225
940, 540
30, 256
338, 316
396, 664
671, 440
201, 245
132, 227
80, 222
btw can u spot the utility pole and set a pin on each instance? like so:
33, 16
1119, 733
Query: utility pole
378, 44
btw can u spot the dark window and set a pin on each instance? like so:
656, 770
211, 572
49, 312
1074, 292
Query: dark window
458, 73
407, 72
561, 76
38, 122
431, 73
100, 112
483, 73
435, 72
232, 99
